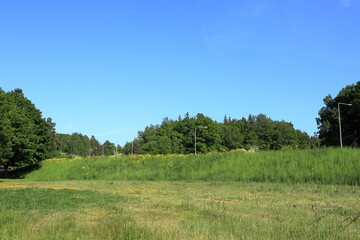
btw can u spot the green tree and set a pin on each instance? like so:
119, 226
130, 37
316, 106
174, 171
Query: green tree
284, 136
209, 138
64, 143
119, 149
25, 135
185, 130
314, 141
179, 136
264, 129
75, 144
6, 130
250, 137
55, 141
95, 147
328, 120
232, 135
127, 148
108, 148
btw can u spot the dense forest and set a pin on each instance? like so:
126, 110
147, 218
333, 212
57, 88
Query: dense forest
255, 132
26, 137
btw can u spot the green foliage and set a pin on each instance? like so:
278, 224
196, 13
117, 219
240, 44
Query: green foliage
108, 148
6, 132
77, 144
327, 166
24, 134
95, 147
328, 121
259, 132
26, 138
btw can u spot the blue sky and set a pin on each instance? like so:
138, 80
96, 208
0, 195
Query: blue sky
111, 68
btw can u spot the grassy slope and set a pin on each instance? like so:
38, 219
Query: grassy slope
177, 210
327, 166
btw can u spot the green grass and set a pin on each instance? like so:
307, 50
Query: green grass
52, 200
96, 209
297, 194
325, 166
29, 212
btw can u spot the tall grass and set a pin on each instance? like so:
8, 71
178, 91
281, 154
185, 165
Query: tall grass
325, 166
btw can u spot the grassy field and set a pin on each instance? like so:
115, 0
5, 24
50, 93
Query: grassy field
96, 209
307, 194
326, 166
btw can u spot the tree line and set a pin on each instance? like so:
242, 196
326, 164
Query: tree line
77, 144
178, 136
26, 137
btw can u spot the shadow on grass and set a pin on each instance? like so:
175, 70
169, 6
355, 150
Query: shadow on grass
19, 172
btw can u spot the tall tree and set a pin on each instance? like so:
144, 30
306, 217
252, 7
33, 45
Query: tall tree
75, 144
25, 135
95, 147
52, 130
328, 120
6, 130
232, 135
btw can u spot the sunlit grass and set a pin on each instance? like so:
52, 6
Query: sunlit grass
326, 166
177, 210
233, 195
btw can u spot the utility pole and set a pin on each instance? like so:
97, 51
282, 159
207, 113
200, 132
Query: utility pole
346, 104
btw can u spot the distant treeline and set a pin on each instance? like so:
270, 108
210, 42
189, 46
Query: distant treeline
81, 145
77, 144
255, 132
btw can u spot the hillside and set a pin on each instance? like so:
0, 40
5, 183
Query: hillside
325, 166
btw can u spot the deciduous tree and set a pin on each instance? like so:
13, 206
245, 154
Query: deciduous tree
24, 134
328, 120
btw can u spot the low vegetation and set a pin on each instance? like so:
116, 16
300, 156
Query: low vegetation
325, 166
95, 209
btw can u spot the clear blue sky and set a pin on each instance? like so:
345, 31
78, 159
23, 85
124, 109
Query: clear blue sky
110, 68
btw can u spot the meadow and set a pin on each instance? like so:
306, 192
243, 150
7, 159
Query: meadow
324, 165
201, 196
95, 209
